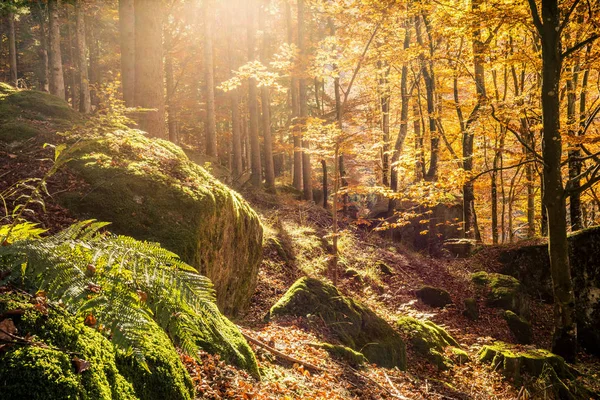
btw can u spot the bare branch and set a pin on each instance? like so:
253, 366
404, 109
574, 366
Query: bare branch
579, 45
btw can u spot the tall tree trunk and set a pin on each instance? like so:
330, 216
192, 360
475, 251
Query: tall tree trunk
385, 124
302, 90
39, 14
12, 49
255, 161
266, 105
237, 167
57, 79
210, 125
149, 85
72, 62
170, 80
565, 329
94, 50
127, 42
85, 105
295, 108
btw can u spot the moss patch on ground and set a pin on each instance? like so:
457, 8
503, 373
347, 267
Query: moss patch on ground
353, 324
346, 354
429, 340
46, 370
150, 190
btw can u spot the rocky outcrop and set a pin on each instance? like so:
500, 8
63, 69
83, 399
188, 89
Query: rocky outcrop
520, 327
501, 291
350, 322
531, 265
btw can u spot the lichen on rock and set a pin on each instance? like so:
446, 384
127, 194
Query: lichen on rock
352, 324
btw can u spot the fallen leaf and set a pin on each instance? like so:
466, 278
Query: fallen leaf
81, 365
90, 320
7, 328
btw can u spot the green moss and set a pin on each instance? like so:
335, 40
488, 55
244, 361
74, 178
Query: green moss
459, 356
353, 324
503, 291
167, 379
27, 113
47, 372
520, 327
346, 354
428, 339
514, 362
150, 190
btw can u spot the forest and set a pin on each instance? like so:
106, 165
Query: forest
299, 199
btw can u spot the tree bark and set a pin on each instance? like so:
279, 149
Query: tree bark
39, 14
71, 71
170, 81
210, 130
127, 42
57, 79
255, 160
385, 125
12, 49
302, 89
234, 98
565, 328
266, 107
295, 108
149, 85
85, 104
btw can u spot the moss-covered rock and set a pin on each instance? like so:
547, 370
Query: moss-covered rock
353, 324
168, 378
433, 296
345, 354
515, 362
428, 340
27, 113
149, 189
520, 327
46, 370
502, 291
384, 268
471, 310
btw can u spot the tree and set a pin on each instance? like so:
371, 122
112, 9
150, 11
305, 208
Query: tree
266, 106
210, 128
149, 86
302, 99
85, 105
12, 48
127, 43
57, 80
255, 159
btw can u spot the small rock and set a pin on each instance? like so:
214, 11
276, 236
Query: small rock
384, 268
433, 296
471, 310
520, 327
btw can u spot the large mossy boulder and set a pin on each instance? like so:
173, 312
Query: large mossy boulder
429, 340
150, 190
52, 365
519, 326
501, 291
531, 265
353, 324
516, 363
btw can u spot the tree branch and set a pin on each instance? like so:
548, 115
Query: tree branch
518, 136
536, 16
501, 169
578, 46
568, 16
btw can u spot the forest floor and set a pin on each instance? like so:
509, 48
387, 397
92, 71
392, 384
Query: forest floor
295, 246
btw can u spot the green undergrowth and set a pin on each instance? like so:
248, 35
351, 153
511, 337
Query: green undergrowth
351, 323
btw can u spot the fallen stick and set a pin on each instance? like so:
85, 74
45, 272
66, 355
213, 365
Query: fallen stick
280, 354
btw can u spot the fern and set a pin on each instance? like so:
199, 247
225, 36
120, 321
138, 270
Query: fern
123, 285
